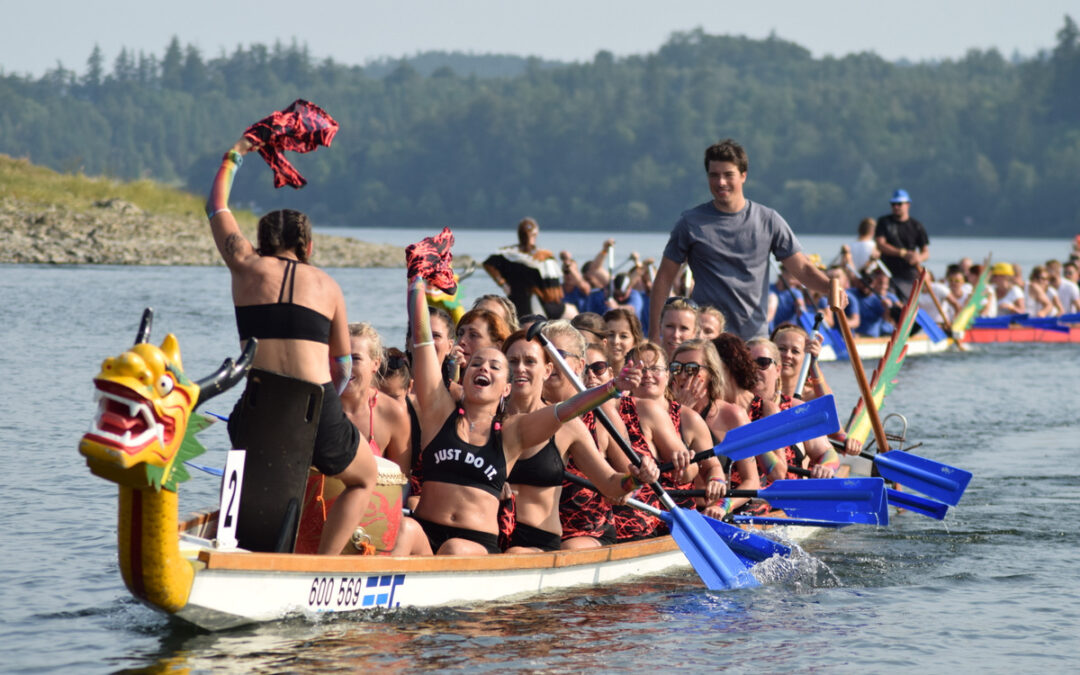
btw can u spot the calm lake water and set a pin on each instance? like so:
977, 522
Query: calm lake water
990, 589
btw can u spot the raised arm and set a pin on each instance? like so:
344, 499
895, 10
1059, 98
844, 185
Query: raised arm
234, 248
665, 277
434, 399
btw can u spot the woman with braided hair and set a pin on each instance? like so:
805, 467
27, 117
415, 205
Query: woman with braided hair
297, 312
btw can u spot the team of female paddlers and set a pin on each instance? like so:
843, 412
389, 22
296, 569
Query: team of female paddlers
484, 422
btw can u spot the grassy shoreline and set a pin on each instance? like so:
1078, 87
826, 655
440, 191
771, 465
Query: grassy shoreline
54, 218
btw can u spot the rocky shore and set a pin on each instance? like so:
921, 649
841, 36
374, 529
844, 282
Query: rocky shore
116, 232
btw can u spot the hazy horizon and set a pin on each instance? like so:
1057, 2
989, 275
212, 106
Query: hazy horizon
37, 36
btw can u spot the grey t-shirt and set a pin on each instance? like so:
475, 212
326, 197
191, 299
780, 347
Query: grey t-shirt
729, 256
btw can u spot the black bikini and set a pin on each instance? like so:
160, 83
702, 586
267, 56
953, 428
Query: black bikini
283, 319
544, 469
337, 438
448, 459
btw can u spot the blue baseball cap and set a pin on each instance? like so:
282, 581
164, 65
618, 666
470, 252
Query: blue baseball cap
899, 196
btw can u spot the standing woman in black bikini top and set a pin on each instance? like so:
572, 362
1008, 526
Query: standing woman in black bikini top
297, 312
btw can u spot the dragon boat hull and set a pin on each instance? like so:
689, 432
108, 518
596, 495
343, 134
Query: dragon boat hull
235, 588
874, 348
1021, 334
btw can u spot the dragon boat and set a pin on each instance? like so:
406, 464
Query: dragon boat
1024, 328
141, 437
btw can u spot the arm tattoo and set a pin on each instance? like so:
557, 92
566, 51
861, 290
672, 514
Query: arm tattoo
232, 245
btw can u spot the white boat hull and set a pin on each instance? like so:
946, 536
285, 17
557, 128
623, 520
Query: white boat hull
233, 588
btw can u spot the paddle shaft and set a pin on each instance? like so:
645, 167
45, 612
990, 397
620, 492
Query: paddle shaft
623, 444
808, 361
856, 365
929, 288
630, 501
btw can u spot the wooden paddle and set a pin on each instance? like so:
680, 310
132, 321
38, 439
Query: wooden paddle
712, 559
929, 288
857, 366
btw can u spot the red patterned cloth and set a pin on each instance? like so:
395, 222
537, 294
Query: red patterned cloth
630, 523
432, 259
583, 512
668, 480
302, 127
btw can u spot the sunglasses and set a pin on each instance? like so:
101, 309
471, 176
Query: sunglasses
763, 362
675, 298
653, 370
565, 354
597, 367
691, 369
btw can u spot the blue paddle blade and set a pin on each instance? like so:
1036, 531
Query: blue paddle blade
942, 482
715, 563
854, 500
794, 425
744, 519
1073, 317
917, 504
929, 326
747, 545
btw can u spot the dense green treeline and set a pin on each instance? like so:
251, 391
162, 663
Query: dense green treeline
985, 145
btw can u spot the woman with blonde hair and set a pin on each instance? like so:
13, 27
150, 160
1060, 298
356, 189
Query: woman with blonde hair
794, 346
817, 452
700, 382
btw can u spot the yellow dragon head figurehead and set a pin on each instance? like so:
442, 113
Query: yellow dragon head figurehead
143, 429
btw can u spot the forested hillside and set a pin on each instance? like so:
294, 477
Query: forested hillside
985, 145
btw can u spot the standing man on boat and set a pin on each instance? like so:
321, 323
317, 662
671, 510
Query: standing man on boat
903, 244
727, 242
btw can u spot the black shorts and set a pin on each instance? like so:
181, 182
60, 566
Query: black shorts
608, 537
534, 537
439, 534
336, 439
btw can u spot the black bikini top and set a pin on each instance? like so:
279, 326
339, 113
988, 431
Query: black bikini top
448, 459
544, 469
283, 319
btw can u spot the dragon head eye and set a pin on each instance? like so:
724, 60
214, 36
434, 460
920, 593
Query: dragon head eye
164, 384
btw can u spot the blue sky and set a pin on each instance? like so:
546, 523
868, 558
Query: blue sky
35, 35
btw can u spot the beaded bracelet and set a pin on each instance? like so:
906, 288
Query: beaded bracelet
234, 156
629, 483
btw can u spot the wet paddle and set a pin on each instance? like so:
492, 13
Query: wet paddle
904, 500
916, 504
746, 519
711, 558
752, 548
942, 482
796, 424
852, 500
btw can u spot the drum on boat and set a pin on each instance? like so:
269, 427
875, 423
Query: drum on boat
382, 519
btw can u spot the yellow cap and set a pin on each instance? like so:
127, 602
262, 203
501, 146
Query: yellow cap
1003, 269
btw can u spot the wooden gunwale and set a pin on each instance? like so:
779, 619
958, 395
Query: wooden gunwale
291, 562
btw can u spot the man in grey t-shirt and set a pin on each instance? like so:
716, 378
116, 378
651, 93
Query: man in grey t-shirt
727, 242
